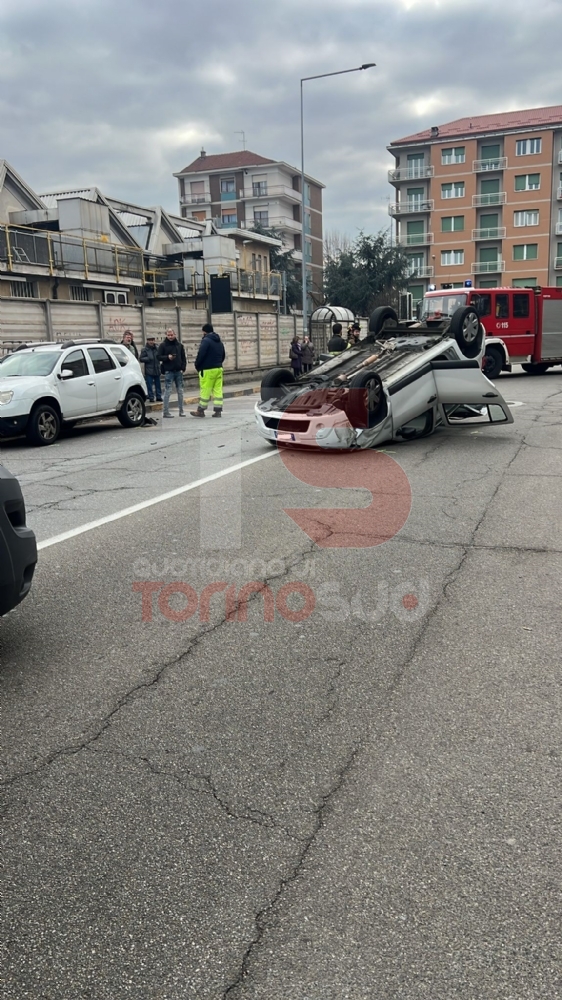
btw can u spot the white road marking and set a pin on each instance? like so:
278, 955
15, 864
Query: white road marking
150, 503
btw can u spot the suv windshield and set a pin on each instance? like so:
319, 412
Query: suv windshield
437, 306
29, 364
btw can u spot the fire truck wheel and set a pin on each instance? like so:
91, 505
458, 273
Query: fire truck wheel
275, 380
492, 362
535, 369
467, 330
366, 402
383, 318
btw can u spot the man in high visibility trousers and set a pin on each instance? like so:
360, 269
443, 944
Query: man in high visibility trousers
208, 363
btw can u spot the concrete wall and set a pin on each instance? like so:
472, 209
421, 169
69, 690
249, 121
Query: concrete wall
252, 340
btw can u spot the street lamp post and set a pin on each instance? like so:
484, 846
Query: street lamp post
319, 76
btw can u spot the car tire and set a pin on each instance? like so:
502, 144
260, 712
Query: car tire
366, 401
467, 330
492, 362
133, 411
44, 425
537, 369
383, 318
273, 380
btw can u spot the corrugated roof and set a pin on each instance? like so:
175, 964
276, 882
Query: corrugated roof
130, 219
188, 234
226, 161
480, 124
50, 200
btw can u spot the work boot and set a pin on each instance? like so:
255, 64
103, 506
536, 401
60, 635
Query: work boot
199, 412
217, 412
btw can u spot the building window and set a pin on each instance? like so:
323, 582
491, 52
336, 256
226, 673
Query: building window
526, 251
308, 249
79, 294
489, 223
449, 257
490, 152
115, 298
415, 233
525, 218
415, 264
227, 185
259, 185
262, 218
454, 155
197, 192
229, 218
452, 224
527, 182
523, 282
524, 147
454, 190
23, 289
307, 223
297, 242
306, 193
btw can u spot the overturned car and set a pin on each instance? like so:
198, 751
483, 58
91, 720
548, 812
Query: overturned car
401, 381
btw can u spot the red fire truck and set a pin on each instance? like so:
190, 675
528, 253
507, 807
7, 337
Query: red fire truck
523, 325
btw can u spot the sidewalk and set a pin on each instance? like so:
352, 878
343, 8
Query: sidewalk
239, 389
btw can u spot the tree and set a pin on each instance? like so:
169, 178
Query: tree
284, 262
371, 272
335, 243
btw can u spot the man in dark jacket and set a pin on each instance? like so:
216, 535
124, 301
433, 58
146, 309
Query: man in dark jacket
336, 343
149, 358
208, 363
173, 361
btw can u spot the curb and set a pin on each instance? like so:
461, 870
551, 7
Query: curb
226, 395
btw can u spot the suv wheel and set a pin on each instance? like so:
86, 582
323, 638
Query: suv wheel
132, 413
43, 426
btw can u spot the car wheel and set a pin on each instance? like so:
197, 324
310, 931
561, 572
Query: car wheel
44, 425
492, 362
133, 411
366, 401
535, 369
467, 330
383, 318
274, 380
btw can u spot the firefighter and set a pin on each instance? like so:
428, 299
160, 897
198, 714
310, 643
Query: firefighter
208, 363
336, 343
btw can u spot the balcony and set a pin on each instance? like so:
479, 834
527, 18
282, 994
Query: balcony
196, 199
558, 229
559, 193
264, 190
494, 198
487, 266
414, 239
489, 234
560, 156
174, 282
497, 163
425, 271
415, 206
26, 251
558, 263
410, 173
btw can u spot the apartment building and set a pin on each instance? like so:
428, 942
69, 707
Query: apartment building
480, 199
239, 190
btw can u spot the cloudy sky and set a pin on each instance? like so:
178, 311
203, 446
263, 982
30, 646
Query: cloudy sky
122, 93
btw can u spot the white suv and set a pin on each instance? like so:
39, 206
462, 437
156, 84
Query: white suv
46, 386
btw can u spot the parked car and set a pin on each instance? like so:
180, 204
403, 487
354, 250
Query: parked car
45, 386
401, 381
18, 549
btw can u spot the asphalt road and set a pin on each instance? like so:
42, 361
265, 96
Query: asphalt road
363, 803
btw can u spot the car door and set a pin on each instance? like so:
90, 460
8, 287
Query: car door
412, 394
108, 377
77, 392
465, 395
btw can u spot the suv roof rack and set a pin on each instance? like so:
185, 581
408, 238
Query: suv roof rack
87, 340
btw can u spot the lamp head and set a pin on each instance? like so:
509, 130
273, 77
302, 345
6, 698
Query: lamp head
368, 65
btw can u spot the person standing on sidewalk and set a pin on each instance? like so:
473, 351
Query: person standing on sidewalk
208, 363
129, 343
308, 354
149, 358
171, 355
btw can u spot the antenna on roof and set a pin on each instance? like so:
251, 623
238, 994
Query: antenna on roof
243, 134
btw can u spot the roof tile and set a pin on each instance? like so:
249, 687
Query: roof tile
478, 124
225, 161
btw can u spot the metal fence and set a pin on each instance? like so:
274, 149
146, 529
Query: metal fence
168, 281
59, 253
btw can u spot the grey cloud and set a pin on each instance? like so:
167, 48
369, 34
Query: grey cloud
123, 94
